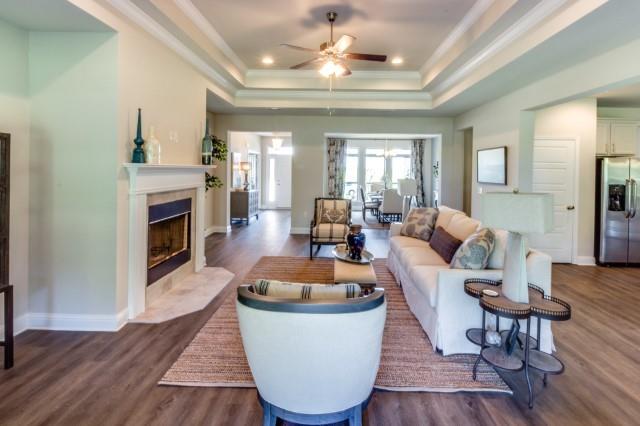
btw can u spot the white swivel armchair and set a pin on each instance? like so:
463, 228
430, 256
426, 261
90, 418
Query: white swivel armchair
314, 361
391, 207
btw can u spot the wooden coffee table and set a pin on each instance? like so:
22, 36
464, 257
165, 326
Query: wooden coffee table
347, 272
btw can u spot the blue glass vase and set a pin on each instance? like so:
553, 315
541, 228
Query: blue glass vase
355, 242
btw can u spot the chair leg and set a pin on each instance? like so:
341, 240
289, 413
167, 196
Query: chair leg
268, 419
355, 419
310, 250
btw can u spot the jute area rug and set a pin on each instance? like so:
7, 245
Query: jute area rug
215, 357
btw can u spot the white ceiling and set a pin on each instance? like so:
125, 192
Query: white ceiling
49, 15
458, 53
412, 29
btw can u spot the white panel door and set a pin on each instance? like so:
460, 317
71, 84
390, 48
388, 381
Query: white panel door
554, 172
278, 181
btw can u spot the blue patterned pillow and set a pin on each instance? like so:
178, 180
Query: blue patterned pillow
474, 252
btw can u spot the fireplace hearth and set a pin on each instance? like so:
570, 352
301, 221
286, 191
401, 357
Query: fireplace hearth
169, 238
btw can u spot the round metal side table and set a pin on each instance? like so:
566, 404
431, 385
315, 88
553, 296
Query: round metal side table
530, 356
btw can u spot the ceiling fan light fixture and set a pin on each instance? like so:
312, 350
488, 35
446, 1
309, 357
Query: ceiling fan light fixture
328, 69
267, 60
397, 60
339, 70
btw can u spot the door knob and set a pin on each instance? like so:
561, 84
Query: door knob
571, 208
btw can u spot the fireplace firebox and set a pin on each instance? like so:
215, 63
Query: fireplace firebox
169, 238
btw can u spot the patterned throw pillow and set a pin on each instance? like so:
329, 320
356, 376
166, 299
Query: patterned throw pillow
287, 290
444, 243
334, 211
419, 223
475, 251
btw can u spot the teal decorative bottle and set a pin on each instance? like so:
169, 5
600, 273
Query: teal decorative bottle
138, 151
207, 146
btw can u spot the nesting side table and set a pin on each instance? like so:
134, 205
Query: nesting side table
524, 358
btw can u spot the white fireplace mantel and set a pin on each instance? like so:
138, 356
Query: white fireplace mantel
145, 179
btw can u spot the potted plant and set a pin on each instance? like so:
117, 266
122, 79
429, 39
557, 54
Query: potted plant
219, 152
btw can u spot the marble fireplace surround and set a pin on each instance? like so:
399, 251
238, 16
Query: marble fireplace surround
145, 180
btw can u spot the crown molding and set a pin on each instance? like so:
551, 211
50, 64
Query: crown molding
138, 16
536, 15
325, 94
472, 16
305, 74
203, 24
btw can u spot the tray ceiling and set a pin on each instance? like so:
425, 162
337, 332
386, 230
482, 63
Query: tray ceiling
411, 29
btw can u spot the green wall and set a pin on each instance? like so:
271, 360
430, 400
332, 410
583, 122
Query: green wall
73, 89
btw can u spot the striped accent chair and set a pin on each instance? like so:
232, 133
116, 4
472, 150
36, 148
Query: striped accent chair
331, 222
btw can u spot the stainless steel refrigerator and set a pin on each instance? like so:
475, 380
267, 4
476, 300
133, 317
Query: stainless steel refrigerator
619, 216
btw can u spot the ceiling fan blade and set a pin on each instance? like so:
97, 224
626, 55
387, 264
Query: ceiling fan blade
305, 63
343, 43
366, 57
304, 49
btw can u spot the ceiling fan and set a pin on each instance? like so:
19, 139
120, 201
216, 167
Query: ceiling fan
332, 54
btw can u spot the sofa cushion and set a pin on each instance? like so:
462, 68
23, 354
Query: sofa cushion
474, 252
287, 290
444, 244
419, 223
425, 279
415, 256
444, 216
330, 231
399, 242
461, 226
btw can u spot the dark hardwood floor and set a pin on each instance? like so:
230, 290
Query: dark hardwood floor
81, 378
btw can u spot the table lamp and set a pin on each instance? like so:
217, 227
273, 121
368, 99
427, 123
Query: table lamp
518, 213
245, 167
407, 188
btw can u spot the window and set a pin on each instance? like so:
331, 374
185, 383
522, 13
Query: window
400, 168
375, 165
351, 174
253, 173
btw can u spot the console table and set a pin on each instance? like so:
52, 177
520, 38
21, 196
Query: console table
540, 306
244, 204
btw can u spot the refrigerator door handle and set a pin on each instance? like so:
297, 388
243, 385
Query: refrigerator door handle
627, 198
634, 197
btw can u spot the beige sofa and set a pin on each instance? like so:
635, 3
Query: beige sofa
435, 293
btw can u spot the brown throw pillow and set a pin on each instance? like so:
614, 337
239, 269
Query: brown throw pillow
419, 223
444, 244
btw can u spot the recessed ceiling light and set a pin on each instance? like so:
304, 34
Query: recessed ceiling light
397, 60
267, 60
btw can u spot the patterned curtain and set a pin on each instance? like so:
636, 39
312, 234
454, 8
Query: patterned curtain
417, 158
337, 164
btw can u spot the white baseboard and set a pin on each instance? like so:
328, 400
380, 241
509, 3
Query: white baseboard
585, 261
20, 324
217, 230
77, 322
303, 230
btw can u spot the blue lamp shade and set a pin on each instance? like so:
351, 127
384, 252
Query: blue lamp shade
525, 213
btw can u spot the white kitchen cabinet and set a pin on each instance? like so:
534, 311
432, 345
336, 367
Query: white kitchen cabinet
624, 137
617, 137
603, 137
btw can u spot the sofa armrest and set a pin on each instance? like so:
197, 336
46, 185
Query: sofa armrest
451, 284
394, 229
